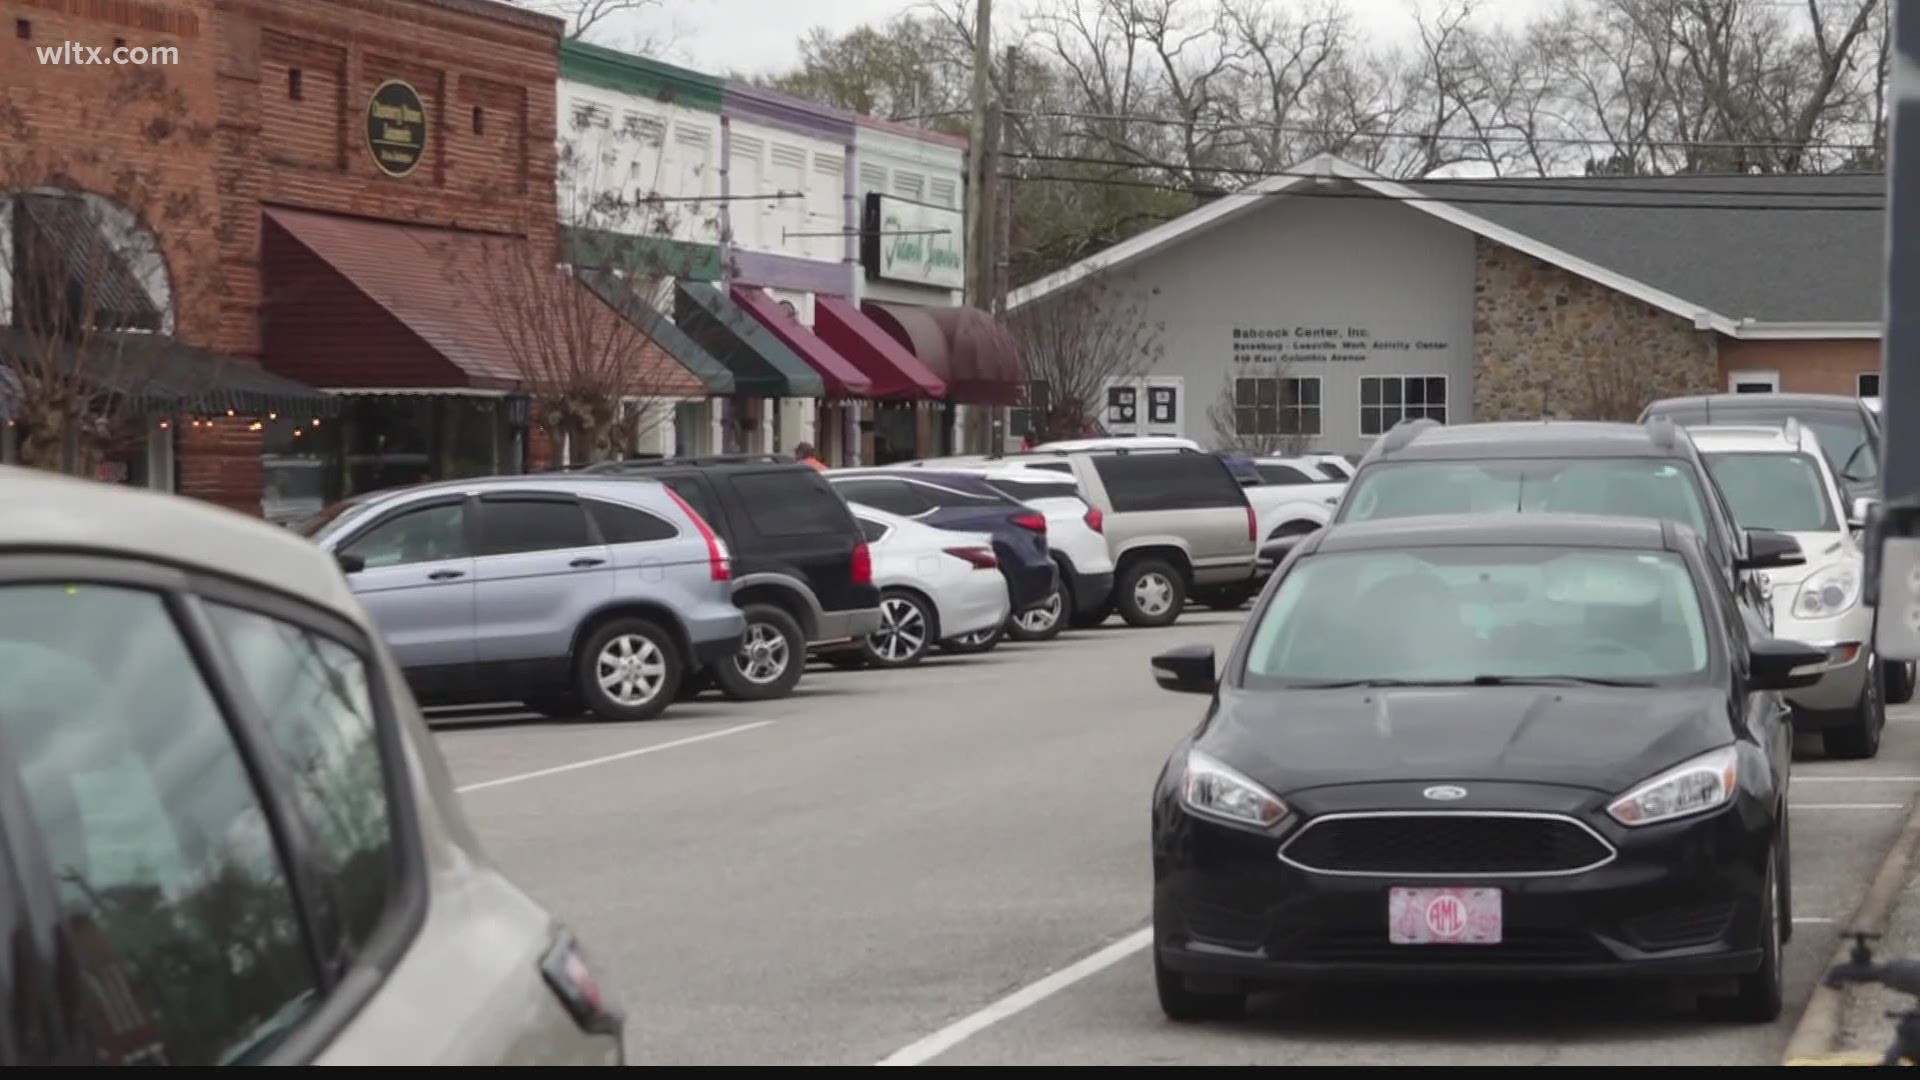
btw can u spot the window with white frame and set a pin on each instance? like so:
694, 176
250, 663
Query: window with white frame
1867, 384
1386, 400
1276, 405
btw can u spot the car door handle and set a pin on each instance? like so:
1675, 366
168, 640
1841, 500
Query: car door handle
443, 575
585, 561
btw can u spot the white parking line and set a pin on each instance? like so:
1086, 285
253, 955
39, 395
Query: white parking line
1815, 919
1848, 806
1861, 778
609, 758
1020, 1000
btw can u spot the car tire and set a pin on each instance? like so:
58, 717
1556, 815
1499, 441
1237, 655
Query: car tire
980, 641
1860, 738
1045, 622
1092, 618
1897, 683
1150, 592
908, 629
1227, 598
1761, 995
643, 663
556, 706
1192, 1006
775, 649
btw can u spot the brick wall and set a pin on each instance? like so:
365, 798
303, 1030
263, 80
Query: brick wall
219, 461
1545, 340
1809, 367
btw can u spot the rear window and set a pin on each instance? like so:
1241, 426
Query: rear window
792, 502
1658, 488
1284, 474
1024, 492
1173, 481
627, 525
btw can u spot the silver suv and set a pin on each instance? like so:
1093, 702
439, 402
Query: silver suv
562, 592
1174, 519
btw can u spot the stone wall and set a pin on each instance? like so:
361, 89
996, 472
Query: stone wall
1546, 341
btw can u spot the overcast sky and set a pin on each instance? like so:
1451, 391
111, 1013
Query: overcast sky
722, 36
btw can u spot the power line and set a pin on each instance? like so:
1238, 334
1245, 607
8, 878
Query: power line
1610, 184
1455, 200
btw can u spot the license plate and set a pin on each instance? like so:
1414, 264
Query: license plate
1443, 916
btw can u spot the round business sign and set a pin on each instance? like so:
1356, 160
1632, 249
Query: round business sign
396, 128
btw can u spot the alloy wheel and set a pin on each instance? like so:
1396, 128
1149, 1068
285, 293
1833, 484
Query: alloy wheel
1041, 619
763, 655
903, 630
631, 669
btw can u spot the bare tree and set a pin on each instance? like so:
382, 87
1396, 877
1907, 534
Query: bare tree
1259, 412
1078, 341
595, 18
88, 297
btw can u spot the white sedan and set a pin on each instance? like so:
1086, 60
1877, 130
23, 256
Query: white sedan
935, 584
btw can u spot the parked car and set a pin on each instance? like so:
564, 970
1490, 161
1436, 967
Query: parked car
1849, 428
231, 839
1583, 467
1075, 541
802, 573
1176, 522
1471, 745
1777, 478
1291, 498
565, 592
934, 584
961, 501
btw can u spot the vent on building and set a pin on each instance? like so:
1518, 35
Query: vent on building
790, 156
479, 120
648, 129
691, 136
827, 165
873, 178
23, 29
296, 90
941, 191
909, 185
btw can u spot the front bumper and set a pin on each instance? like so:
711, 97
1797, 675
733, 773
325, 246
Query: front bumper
1681, 899
852, 624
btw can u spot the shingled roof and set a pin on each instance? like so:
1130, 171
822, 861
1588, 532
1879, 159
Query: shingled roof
1750, 256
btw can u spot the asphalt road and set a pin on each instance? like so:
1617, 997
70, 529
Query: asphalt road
949, 865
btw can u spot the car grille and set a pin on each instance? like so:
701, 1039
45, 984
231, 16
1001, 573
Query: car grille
1479, 844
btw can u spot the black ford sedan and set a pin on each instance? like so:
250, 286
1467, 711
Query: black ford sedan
1495, 746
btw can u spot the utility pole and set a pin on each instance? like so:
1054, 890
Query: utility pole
1893, 559
1003, 237
983, 163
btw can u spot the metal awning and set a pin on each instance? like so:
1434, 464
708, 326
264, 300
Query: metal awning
762, 365
159, 375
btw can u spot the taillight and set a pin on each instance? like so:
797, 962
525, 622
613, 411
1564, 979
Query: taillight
1034, 522
1096, 521
719, 562
862, 564
573, 980
981, 558
1253, 526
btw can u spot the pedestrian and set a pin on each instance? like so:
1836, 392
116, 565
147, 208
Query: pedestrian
804, 453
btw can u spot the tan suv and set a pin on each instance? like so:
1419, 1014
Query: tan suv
228, 835
1174, 520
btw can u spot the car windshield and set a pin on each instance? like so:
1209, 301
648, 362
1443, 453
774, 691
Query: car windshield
1843, 435
1657, 488
1461, 614
330, 520
1774, 491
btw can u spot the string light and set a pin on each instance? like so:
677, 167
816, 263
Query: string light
164, 425
273, 416
255, 426
316, 421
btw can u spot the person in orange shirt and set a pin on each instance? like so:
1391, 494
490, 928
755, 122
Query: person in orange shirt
804, 453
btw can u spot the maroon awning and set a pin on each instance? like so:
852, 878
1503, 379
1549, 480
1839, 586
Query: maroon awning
974, 353
842, 379
895, 371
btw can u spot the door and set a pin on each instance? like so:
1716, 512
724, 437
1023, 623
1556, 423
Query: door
1146, 405
540, 569
417, 585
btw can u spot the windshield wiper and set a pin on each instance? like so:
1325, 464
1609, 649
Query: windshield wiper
1554, 680
1338, 684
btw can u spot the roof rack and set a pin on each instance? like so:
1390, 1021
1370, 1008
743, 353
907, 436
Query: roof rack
641, 464
1663, 431
1402, 434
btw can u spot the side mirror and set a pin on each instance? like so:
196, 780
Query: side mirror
1777, 664
1861, 511
1185, 670
351, 564
1767, 549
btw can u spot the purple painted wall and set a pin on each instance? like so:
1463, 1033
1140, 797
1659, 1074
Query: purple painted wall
775, 109
791, 272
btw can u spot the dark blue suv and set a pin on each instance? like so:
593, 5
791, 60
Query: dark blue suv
963, 502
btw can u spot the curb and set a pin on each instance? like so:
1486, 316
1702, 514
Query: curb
1814, 1036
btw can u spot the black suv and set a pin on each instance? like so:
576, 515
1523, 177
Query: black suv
802, 573
1649, 470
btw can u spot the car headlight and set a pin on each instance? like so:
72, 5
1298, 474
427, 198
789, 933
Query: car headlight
1828, 592
1688, 788
1211, 788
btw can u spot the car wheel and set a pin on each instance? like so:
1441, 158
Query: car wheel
1230, 598
1760, 995
1897, 684
1191, 1006
1150, 593
771, 658
1087, 620
1861, 737
1042, 623
630, 669
980, 641
905, 634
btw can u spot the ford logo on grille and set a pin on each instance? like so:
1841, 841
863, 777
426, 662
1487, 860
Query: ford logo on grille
1445, 793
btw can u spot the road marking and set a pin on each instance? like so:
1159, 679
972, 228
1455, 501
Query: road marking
1848, 806
1020, 1000
610, 758
1813, 919
1863, 778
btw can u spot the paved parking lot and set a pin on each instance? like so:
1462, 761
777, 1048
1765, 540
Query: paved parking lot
949, 865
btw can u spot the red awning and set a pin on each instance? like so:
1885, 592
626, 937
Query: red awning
976, 355
895, 371
842, 379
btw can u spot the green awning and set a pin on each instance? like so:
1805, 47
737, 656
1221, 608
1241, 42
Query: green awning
762, 365
660, 330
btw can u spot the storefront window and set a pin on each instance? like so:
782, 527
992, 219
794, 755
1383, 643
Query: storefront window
293, 458
384, 441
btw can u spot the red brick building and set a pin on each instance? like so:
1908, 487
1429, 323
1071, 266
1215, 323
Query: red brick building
351, 161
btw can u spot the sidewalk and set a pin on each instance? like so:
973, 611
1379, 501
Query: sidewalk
1864, 1027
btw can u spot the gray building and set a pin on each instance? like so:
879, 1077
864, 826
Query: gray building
1330, 303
